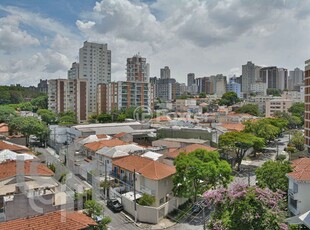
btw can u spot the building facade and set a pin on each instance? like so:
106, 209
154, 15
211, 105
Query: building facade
232, 86
137, 69
68, 95
248, 76
124, 95
165, 73
190, 79
95, 67
307, 104
277, 105
73, 72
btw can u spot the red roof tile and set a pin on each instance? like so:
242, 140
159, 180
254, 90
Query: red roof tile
301, 169
12, 147
153, 170
12, 168
51, 221
188, 149
100, 136
233, 127
119, 135
94, 146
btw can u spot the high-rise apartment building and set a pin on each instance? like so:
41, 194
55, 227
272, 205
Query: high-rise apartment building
42, 86
124, 95
282, 79
219, 84
307, 104
137, 69
73, 72
232, 86
248, 76
165, 73
95, 67
68, 95
190, 79
270, 76
296, 79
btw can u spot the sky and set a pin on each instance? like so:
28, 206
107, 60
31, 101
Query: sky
40, 39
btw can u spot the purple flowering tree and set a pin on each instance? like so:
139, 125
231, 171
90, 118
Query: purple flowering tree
242, 207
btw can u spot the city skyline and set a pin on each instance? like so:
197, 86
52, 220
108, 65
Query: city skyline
41, 40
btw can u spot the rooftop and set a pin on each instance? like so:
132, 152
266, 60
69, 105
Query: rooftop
94, 146
233, 127
12, 168
183, 140
188, 149
153, 170
51, 221
301, 169
12, 147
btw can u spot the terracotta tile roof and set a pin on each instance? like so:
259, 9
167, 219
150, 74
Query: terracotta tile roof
12, 147
161, 119
8, 169
100, 136
119, 135
51, 221
188, 149
233, 127
153, 170
4, 128
301, 169
94, 146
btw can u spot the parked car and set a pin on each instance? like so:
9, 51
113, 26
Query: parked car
115, 205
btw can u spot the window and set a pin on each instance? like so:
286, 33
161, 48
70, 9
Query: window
295, 188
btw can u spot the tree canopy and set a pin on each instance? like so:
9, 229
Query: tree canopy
298, 140
236, 144
250, 109
242, 207
6, 113
28, 126
198, 171
274, 92
47, 116
93, 208
298, 109
229, 98
272, 174
67, 118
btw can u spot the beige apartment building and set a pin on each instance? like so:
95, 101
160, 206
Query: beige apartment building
277, 105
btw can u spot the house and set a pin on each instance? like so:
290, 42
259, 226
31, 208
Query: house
90, 149
13, 147
299, 186
232, 127
187, 149
151, 177
24, 183
105, 155
52, 220
123, 136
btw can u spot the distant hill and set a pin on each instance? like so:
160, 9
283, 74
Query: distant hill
17, 94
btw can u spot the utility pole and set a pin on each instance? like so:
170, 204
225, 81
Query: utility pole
204, 217
277, 141
134, 193
249, 177
105, 180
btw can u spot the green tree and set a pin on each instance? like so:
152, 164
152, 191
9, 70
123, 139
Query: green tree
103, 224
198, 171
241, 208
146, 200
250, 109
298, 140
229, 98
298, 109
67, 118
28, 126
267, 128
293, 121
6, 113
236, 144
272, 174
25, 106
274, 92
93, 208
47, 116
121, 117
40, 102
104, 118
202, 95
